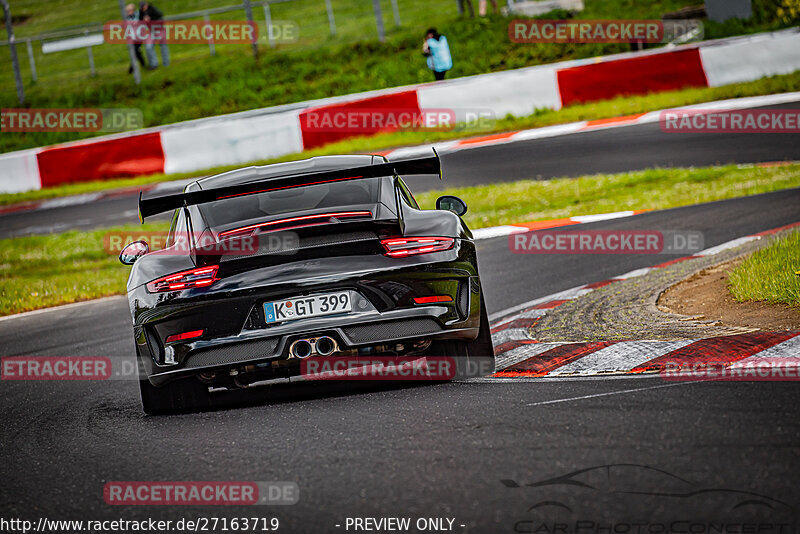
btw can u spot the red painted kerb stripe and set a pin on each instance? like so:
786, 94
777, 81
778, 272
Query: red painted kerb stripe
401, 101
632, 76
96, 160
716, 351
552, 359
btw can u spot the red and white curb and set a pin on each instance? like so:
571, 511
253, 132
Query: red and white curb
634, 358
517, 228
517, 355
587, 126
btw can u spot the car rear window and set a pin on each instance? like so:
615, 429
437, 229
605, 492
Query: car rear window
231, 211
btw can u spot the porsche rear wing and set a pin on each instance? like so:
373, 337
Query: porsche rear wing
153, 206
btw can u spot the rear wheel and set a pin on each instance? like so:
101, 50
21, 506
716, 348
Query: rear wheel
474, 357
184, 394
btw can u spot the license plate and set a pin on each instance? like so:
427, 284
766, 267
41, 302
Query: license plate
302, 307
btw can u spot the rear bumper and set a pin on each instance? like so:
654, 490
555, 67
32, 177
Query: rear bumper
273, 351
235, 334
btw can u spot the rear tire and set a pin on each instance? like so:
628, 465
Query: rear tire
471, 356
184, 394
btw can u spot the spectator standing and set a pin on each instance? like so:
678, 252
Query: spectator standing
154, 19
469, 5
132, 16
437, 51
482, 7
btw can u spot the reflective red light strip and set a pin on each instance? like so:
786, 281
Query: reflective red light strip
185, 335
184, 280
289, 187
433, 299
400, 247
295, 219
410, 241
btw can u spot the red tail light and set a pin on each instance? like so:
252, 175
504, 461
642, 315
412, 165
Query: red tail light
433, 299
200, 277
397, 247
184, 336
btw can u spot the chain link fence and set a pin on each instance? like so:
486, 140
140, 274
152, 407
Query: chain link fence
46, 57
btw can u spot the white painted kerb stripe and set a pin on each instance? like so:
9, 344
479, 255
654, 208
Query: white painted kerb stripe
620, 357
785, 350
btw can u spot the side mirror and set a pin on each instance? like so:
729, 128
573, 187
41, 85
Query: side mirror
133, 251
451, 203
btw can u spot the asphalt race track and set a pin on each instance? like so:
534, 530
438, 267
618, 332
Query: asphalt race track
439, 450
614, 150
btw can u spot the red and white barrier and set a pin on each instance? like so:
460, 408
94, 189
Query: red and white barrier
380, 106
97, 159
261, 134
19, 171
636, 75
205, 144
517, 92
751, 58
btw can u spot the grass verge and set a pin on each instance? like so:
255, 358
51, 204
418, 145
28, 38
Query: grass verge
48, 270
627, 105
768, 275
42, 271
198, 85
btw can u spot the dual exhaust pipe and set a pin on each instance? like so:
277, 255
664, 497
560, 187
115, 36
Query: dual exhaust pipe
322, 346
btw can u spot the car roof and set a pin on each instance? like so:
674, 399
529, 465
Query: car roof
289, 168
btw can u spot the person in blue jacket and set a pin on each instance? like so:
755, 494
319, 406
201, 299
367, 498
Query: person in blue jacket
437, 51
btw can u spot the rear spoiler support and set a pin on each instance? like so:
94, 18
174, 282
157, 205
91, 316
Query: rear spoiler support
153, 206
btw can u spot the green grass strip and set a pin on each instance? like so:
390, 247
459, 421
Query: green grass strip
768, 275
42, 271
628, 105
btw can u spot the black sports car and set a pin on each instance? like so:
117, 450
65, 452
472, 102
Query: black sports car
266, 266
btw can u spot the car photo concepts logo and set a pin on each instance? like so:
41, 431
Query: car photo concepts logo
640, 499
